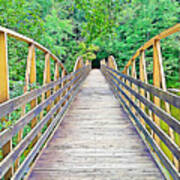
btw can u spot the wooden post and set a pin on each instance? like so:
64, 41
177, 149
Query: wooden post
31, 53
47, 79
56, 77
142, 74
128, 84
112, 63
134, 87
156, 83
167, 107
32, 81
62, 85
4, 91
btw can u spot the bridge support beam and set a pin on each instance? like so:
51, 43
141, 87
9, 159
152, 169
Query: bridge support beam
4, 92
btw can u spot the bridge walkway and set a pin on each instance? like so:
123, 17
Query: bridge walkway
95, 140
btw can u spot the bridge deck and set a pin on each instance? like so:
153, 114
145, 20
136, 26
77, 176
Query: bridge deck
95, 140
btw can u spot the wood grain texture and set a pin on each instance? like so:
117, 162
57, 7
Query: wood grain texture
95, 140
150, 43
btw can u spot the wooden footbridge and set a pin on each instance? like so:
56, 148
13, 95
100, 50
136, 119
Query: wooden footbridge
90, 123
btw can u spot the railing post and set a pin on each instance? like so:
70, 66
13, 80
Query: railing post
4, 91
142, 74
134, 87
63, 74
47, 79
112, 63
56, 77
156, 83
162, 84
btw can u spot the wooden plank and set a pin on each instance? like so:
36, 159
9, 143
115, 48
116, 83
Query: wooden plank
77, 149
30, 41
159, 112
32, 82
159, 132
163, 95
56, 77
13, 104
112, 63
10, 132
63, 74
78, 64
167, 107
6, 163
170, 120
27, 80
134, 87
19, 174
149, 138
142, 68
156, 83
4, 91
149, 43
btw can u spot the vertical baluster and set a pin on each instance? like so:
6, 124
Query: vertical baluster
156, 83
32, 81
134, 87
163, 85
47, 79
142, 70
62, 85
56, 77
128, 84
4, 91
29, 71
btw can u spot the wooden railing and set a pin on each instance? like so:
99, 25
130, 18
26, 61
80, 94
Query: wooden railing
47, 105
149, 106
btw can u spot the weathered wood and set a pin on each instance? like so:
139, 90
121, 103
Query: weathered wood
29, 73
30, 41
79, 64
6, 163
142, 68
56, 77
63, 84
98, 145
148, 137
163, 95
10, 132
163, 85
170, 120
4, 90
162, 35
134, 87
161, 134
112, 63
55, 123
13, 104
156, 83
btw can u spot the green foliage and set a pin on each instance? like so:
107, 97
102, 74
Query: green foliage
93, 29
87, 52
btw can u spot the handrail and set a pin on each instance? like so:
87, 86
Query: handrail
149, 105
31, 41
46, 105
149, 43
120, 89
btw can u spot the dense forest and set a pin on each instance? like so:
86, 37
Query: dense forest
93, 29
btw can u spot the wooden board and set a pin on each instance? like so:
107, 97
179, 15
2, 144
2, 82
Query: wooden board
95, 140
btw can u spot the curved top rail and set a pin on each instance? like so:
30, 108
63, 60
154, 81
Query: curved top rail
31, 41
149, 43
